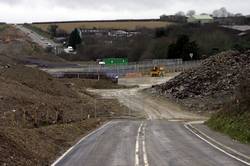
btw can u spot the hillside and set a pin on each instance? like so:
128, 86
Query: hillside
109, 24
158, 43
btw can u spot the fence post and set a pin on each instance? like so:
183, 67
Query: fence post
47, 116
95, 109
24, 116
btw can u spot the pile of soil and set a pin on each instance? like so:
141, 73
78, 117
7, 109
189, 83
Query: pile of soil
33, 104
210, 85
41, 146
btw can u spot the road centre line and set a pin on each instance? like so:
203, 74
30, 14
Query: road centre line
145, 158
141, 137
137, 145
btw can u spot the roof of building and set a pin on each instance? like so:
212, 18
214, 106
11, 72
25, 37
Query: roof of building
202, 17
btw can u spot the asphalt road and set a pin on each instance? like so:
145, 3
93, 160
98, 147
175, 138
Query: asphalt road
159, 140
170, 144
40, 40
113, 145
159, 143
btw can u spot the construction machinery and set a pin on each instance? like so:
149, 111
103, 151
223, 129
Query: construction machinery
157, 71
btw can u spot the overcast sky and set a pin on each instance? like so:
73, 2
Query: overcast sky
14, 11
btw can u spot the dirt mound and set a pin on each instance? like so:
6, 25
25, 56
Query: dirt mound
39, 99
40, 146
41, 116
37, 80
212, 83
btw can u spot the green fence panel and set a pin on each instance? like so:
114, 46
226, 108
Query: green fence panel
116, 61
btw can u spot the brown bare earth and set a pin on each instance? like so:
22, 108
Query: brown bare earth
128, 25
40, 116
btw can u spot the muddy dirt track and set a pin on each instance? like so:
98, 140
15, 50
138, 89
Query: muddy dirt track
151, 107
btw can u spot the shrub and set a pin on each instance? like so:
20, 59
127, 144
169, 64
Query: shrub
183, 48
75, 38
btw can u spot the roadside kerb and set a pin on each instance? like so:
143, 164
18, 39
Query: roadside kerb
217, 145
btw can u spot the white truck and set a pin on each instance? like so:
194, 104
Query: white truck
69, 50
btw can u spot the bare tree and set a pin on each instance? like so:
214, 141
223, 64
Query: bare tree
191, 13
180, 13
222, 12
238, 15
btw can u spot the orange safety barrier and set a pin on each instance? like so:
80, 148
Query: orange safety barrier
133, 75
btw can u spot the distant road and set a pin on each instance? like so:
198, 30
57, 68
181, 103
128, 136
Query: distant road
40, 40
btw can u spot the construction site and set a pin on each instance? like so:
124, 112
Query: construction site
48, 104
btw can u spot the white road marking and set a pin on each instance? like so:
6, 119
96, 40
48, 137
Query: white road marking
141, 137
175, 120
137, 146
60, 158
145, 158
213, 140
216, 147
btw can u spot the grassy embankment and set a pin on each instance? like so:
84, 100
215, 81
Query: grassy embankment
234, 119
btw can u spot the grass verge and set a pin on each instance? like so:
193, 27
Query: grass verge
234, 118
236, 125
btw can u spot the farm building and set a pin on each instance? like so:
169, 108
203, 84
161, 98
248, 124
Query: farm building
122, 33
200, 19
117, 33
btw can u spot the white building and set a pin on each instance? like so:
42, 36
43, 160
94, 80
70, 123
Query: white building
200, 19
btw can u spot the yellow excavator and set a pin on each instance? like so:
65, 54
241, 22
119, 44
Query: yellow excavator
157, 72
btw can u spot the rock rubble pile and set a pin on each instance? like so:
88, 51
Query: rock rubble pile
218, 76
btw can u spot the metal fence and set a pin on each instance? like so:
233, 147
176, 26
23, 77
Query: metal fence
142, 67
58, 50
175, 65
